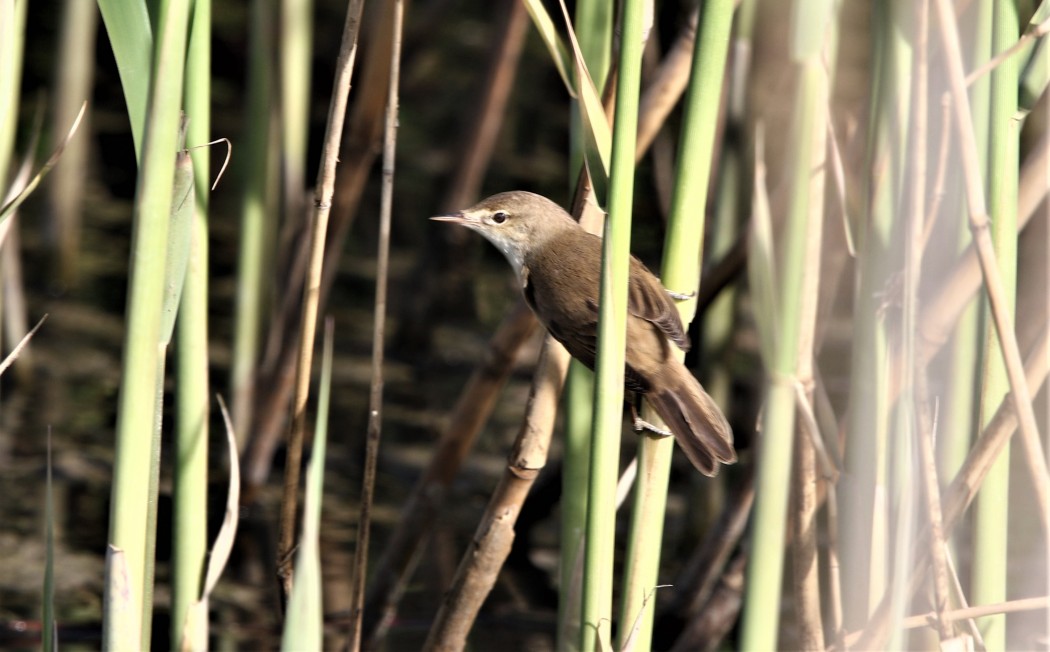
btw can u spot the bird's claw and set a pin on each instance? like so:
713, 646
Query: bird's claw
678, 296
641, 424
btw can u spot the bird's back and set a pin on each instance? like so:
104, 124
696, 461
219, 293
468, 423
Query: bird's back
563, 289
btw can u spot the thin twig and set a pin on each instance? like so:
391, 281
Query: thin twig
1033, 33
963, 489
322, 207
375, 402
960, 597
923, 620
914, 371
928, 466
942, 169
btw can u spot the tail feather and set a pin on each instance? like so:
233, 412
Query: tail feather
696, 421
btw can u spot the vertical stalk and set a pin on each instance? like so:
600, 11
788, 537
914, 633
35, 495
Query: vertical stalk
136, 409
681, 273
863, 529
990, 536
375, 401
960, 423
296, 34
258, 217
191, 437
12, 44
905, 446
612, 335
74, 79
762, 601
311, 295
593, 23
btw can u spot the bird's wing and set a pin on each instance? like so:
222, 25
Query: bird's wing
648, 300
575, 325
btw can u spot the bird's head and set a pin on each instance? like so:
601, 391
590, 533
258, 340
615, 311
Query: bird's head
515, 222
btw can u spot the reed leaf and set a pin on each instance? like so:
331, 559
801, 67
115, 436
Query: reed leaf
304, 621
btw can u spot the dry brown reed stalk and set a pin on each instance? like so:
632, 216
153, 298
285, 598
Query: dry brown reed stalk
420, 511
492, 541
711, 626
361, 145
667, 84
963, 489
696, 584
1034, 457
375, 402
311, 298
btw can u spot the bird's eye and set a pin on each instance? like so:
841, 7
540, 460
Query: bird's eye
499, 217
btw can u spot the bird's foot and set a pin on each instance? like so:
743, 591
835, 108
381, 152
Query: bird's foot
678, 296
641, 424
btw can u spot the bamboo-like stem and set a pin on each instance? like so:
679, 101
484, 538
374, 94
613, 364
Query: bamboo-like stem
762, 600
681, 273
593, 24
960, 407
991, 530
319, 227
802, 520
375, 400
609, 368
190, 478
993, 283
862, 528
137, 414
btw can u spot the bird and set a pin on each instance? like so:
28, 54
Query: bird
558, 268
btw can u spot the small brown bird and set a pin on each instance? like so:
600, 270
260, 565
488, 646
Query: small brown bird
558, 264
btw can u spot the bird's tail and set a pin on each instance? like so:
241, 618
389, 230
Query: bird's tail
696, 421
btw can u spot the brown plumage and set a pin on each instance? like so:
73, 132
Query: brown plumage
559, 267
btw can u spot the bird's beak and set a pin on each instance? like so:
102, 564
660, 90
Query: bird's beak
456, 218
